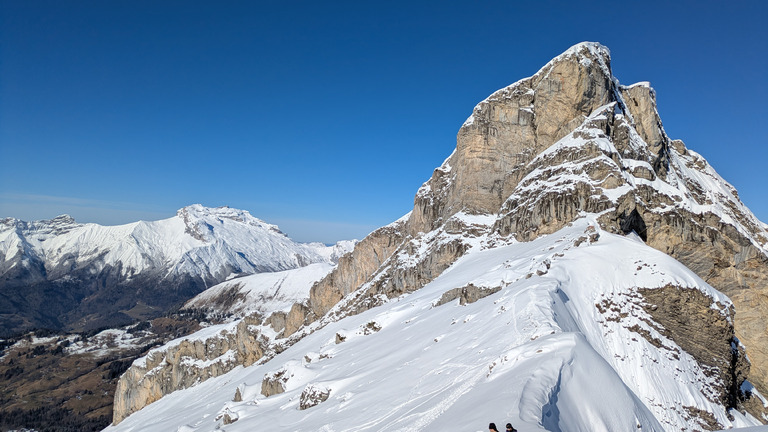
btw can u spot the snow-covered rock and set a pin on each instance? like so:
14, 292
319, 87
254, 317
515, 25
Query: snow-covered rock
540, 153
256, 305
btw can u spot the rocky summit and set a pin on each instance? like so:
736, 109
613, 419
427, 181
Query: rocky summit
548, 230
570, 140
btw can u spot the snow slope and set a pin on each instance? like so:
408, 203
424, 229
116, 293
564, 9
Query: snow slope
538, 353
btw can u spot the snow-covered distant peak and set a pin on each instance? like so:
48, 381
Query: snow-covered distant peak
198, 240
58, 225
197, 212
201, 221
190, 251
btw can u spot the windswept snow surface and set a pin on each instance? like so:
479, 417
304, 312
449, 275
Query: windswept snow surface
750, 429
538, 353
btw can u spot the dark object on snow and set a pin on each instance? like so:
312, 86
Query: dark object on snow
510, 428
492, 427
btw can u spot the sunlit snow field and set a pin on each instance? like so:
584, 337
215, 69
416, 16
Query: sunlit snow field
537, 354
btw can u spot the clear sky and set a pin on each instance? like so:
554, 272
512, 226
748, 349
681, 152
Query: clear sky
326, 117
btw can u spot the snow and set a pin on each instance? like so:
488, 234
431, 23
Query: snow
475, 219
227, 357
207, 242
595, 49
538, 353
748, 387
106, 342
32, 341
263, 292
749, 429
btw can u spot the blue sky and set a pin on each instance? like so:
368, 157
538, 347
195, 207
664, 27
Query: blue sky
326, 117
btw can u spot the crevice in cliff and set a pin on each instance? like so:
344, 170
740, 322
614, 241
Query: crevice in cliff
633, 222
661, 163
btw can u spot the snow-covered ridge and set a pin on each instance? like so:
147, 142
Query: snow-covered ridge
198, 240
99, 276
559, 342
255, 295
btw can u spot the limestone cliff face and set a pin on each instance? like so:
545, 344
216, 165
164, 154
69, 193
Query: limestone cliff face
681, 314
354, 269
508, 129
569, 140
184, 363
545, 150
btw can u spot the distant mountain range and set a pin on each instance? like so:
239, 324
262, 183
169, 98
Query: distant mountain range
62, 275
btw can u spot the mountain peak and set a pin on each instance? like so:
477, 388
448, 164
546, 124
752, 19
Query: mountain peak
584, 53
59, 225
64, 218
566, 168
571, 141
201, 211
200, 221
586, 48
514, 124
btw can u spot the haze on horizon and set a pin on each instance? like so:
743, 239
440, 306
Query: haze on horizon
326, 118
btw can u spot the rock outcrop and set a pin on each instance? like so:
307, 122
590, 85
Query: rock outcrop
313, 395
687, 317
186, 362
